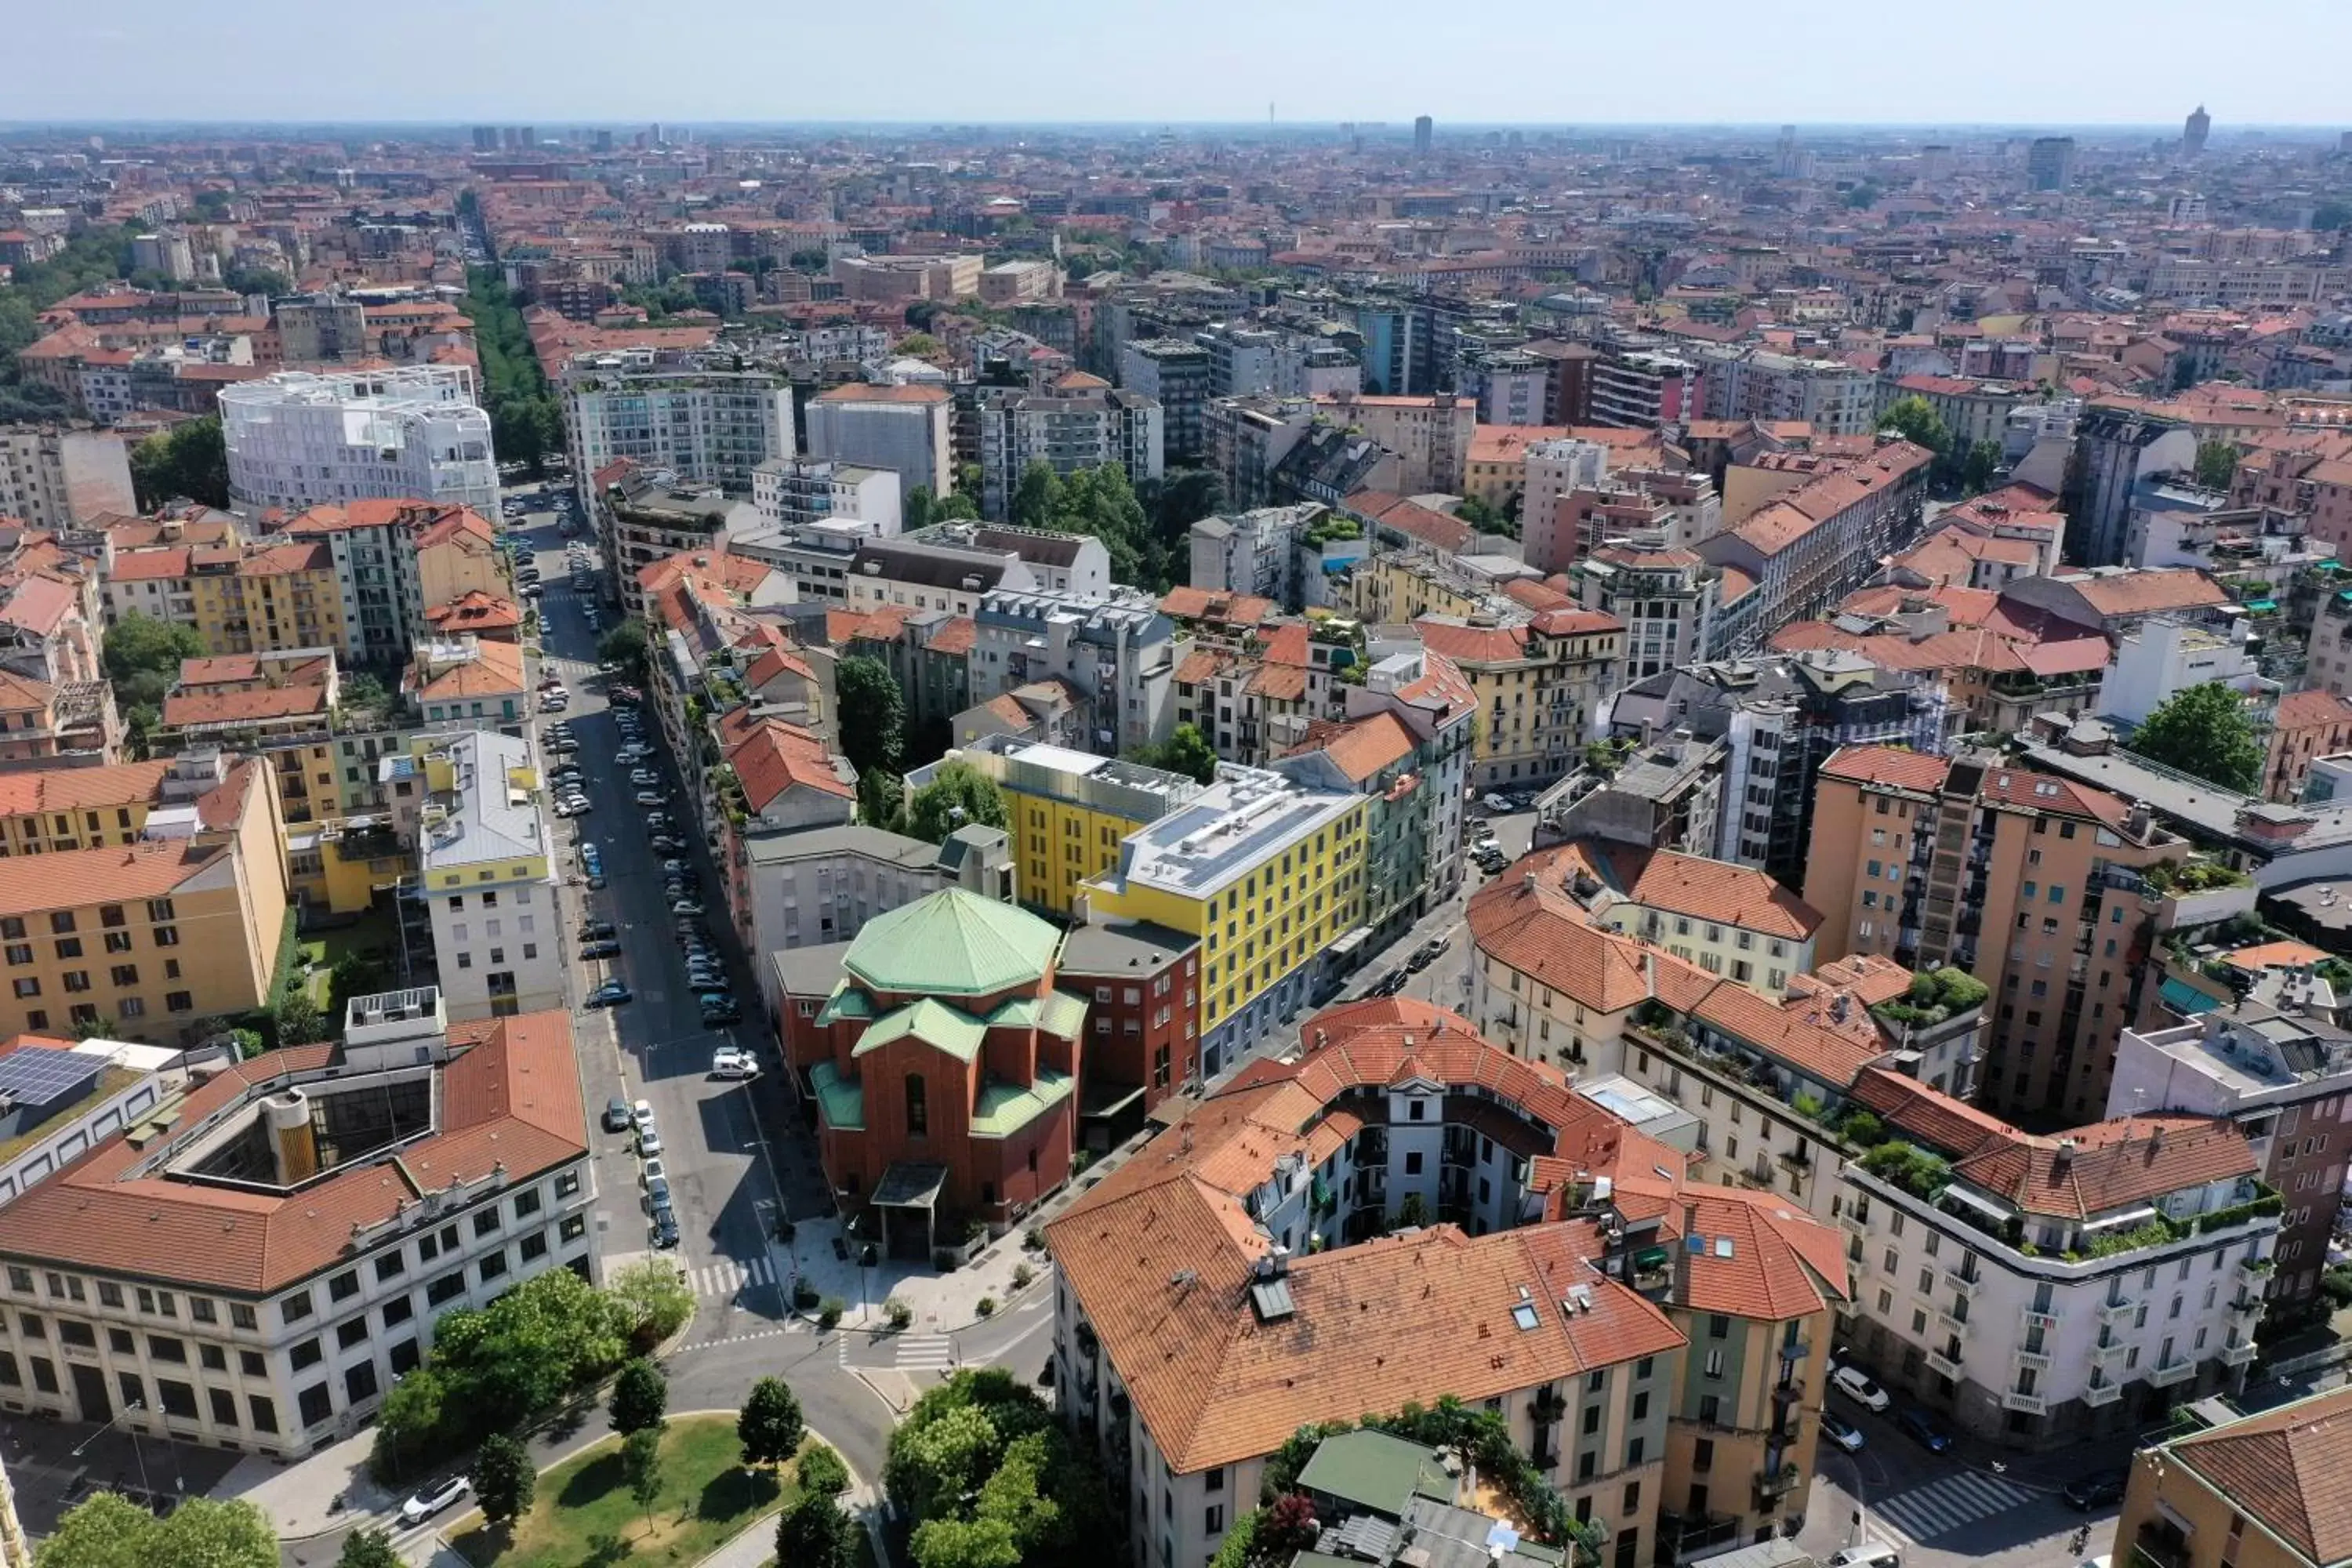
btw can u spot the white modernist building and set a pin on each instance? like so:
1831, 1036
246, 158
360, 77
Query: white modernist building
296, 440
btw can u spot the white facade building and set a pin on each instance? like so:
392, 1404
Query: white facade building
707, 424
487, 860
2164, 655
296, 440
796, 492
278, 1334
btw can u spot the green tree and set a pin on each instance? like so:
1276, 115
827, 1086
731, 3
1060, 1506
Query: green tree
2204, 730
1183, 497
945, 1459
297, 1018
415, 1412
1916, 420
188, 462
820, 1470
1976, 469
1186, 751
142, 656
1038, 495
958, 795
653, 1298
369, 1548
2217, 464
770, 1423
916, 345
872, 714
641, 1467
625, 645
917, 509
814, 1531
965, 1543
257, 280
109, 1531
361, 689
640, 1397
881, 800
958, 507
504, 1479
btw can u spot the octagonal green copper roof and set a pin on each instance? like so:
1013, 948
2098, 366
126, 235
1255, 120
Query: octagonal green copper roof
952, 943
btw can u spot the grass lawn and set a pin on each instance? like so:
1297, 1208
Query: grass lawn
584, 1516
376, 930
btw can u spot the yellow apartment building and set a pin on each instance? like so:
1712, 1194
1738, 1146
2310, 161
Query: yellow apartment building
1537, 681
157, 938
1269, 875
239, 598
1066, 812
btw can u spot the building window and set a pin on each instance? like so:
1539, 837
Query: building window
919, 1113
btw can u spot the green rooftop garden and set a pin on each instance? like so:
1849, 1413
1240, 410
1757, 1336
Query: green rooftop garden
1934, 998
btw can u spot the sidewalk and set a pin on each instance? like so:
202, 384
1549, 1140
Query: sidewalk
1006, 1270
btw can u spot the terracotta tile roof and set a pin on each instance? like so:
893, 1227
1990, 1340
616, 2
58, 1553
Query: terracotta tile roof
78, 789
1798, 1033
495, 670
1780, 1263
773, 756
1441, 682
2312, 710
1361, 747
22, 694
457, 523
1690, 885
2287, 954
511, 1098
1278, 683
1887, 765
1287, 643
868, 392
1927, 1117
1410, 519
149, 565
1188, 604
251, 706
475, 611
1464, 643
2141, 592
1159, 1257
1202, 665
2290, 1469
2115, 1163
1537, 596
955, 635
238, 668
113, 874
1528, 922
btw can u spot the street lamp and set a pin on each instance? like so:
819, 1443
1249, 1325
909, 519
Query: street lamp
138, 1454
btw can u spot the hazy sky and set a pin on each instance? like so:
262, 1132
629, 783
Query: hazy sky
1539, 61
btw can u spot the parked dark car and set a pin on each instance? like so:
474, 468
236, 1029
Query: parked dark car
1921, 1428
2090, 1492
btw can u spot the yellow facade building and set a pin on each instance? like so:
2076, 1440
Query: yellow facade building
158, 930
239, 598
1269, 876
1066, 812
1538, 682
456, 554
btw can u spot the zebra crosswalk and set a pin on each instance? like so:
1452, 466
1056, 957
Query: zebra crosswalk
1938, 1508
926, 1353
730, 1277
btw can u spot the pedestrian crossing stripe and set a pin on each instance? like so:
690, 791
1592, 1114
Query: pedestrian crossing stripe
926, 1353
1938, 1508
728, 1276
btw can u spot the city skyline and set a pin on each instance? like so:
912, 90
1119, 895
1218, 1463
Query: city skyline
1077, 66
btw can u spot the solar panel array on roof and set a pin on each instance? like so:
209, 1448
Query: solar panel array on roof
43, 1075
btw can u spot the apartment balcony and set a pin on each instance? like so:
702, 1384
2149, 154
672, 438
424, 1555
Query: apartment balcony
2166, 1376
2031, 1403
2046, 1322
1948, 1366
2098, 1393
2109, 1355
2114, 1314
1775, 1484
2239, 1354
2037, 1359
1961, 1327
1966, 1284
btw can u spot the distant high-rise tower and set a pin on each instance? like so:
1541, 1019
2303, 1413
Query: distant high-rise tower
1422, 130
2193, 134
2050, 162
604, 140
529, 136
486, 138
1786, 163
